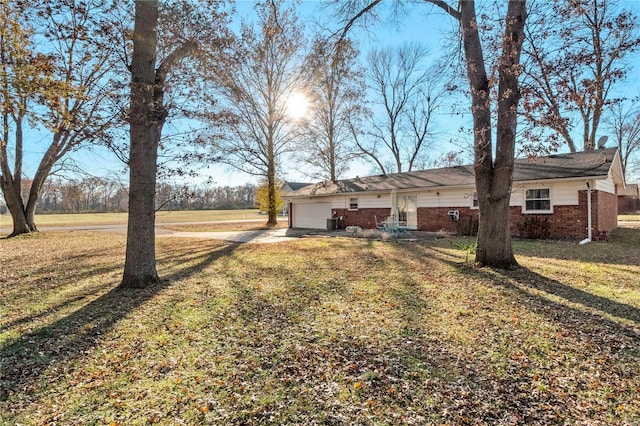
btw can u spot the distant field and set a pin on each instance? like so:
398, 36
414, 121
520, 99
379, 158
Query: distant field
118, 218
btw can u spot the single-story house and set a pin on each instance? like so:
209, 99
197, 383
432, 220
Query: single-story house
629, 199
553, 189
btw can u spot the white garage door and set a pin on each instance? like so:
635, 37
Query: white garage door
312, 216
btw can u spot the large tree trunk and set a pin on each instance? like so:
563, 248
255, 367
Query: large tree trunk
494, 179
44, 169
140, 263
494, 237
14, 204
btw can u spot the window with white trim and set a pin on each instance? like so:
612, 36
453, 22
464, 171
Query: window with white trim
537, 200
353, 203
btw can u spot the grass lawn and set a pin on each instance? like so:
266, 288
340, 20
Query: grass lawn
120, 218
319, 331
629, 217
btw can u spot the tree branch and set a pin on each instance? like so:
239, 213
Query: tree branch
446, 7
353, 20
176, 56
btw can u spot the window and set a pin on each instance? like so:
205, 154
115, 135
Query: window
353, 203
537, 200
474, 200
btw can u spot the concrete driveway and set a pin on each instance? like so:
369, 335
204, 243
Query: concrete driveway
262, 236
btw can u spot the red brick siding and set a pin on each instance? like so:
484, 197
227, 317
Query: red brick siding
565, 222
364, 218
437, 218
606, 214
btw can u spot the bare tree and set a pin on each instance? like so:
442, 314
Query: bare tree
407, 92
624, 122
259, 86
337, 93
575, 53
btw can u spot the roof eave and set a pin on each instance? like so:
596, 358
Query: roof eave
442, 187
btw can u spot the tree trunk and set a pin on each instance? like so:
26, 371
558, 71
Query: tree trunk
494, 179
9, 186
271, 188
44, 169
145, 125
14, 204
494, 238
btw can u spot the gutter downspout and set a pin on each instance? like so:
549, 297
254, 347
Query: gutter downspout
589, 224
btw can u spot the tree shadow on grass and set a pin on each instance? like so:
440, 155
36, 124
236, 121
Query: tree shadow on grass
527, 279
25, 359
539, 290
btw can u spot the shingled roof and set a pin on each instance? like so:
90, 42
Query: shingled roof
296, 185
588, 164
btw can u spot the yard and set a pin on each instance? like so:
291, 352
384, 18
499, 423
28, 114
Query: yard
319, 331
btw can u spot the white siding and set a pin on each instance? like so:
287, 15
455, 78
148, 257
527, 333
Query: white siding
561, 193
365, 201
606, 185
446, 198
372, 201
566, 193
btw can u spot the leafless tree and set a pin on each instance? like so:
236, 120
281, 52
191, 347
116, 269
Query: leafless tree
265, 75
624, 122
336, 96
407, 92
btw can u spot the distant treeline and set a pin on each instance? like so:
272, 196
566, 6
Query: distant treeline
110, 195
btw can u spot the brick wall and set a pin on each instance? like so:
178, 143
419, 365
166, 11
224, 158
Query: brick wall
565, 222
437, 218
606, 214
364, 218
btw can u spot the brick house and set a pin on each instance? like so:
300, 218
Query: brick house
553, 189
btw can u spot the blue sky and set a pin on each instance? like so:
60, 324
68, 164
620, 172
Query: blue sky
424, 24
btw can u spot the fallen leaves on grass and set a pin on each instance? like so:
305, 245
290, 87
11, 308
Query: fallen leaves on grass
339, 332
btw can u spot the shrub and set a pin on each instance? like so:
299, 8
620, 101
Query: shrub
534, 228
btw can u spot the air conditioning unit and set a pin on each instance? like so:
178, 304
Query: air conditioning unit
454, 215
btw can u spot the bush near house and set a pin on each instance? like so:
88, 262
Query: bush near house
534, 228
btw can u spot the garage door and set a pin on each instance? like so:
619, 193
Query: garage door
312, 216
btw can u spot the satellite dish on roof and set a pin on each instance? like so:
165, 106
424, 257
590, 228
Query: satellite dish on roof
602, 141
